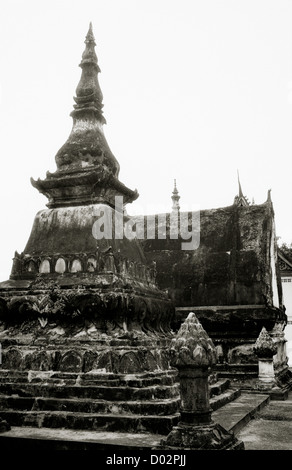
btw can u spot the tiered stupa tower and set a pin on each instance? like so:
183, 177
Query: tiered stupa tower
87, 171
70, 280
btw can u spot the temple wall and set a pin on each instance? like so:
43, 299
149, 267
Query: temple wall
231, 281
233, 264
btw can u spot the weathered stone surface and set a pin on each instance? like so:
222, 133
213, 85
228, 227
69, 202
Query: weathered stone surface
192, 347
229, 267
11, 358
231, 281
265, 346
242, 355
146, 402
194, 354
38, 361
87, 170
209, 437
71, 362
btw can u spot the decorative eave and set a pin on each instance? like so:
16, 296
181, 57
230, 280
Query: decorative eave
285, 265
82, 188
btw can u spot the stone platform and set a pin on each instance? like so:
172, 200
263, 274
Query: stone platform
248, 406
107, 402
271, 428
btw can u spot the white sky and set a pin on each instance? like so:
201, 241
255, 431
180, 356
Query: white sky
193, 90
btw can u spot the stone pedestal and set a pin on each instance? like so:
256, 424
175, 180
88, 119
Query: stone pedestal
266, 371
193, 353
282, 372
194, 392
265, 348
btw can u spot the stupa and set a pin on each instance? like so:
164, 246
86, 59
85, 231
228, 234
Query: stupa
78, 298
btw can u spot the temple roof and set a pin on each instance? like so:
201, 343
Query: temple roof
231, 264
285, 265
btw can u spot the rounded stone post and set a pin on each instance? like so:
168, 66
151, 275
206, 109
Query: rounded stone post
194, 391
193, 354
265, 349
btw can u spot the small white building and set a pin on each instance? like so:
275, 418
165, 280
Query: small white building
286, 278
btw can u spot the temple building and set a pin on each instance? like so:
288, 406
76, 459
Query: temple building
286, 278
231, 281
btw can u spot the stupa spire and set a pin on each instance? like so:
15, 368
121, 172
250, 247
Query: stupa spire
87, 171
88, 93
175, 198
86, 144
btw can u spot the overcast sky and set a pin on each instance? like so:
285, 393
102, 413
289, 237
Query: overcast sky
193, 90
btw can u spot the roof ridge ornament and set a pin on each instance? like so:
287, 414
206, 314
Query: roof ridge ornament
240, 200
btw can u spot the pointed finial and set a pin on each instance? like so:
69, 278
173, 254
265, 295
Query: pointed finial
175, 191
269, 199
240, 200
90, 36
89, 55
240, 193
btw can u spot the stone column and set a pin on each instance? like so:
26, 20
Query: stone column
265, 349
278, 337
193, 353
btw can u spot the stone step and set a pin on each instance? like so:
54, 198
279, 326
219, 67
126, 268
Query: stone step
91, 391
226, 397
13, 376
92, 421
131, 380
236, 414
61, 390
233, 417
50, 377
157, 407
219, 387
31, 439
